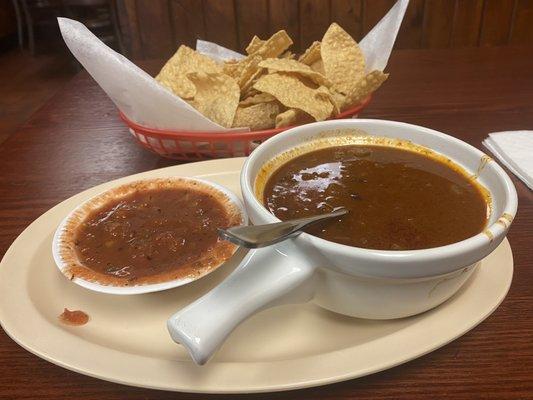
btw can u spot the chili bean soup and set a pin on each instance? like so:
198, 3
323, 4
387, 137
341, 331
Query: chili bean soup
397, 198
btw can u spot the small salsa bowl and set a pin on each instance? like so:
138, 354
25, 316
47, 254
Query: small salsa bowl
61, 241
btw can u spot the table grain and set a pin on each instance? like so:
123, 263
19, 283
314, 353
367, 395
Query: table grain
76, 141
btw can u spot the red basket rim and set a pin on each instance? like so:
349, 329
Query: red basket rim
247, 135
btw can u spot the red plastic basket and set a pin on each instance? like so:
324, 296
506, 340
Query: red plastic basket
195, 145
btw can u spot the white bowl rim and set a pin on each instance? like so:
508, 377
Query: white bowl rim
148, 288
470, 244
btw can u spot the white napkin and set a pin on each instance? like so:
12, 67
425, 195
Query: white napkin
143, 100
515, 150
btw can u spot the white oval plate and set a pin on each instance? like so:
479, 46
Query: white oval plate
139, 289
282, 348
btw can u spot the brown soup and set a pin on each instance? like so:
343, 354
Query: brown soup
154, 235
397, 199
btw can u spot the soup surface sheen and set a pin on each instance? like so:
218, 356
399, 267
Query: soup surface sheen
397, 199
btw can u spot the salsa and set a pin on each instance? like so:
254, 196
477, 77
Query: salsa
397, 199
154, 235
74, 317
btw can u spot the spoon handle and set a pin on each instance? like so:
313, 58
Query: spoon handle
255, 236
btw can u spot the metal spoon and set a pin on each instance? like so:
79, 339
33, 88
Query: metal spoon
256, 236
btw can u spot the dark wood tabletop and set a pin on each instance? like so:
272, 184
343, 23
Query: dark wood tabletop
77, 141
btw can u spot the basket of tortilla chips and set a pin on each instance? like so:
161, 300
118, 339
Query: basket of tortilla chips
262, 94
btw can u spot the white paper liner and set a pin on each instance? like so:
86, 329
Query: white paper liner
144, 101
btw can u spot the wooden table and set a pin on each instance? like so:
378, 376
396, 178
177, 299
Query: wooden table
77, 141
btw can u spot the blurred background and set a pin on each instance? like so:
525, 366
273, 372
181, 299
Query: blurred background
34, 62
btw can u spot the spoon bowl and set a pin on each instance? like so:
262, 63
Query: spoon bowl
256, 236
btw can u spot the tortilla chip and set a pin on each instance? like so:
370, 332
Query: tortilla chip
292, 117
217, 96
338, 100
288, 55
249, 93
311, 55
256, 99
254, 45
296, 67
364, 87
257, 117
273, 88
323, 92
231, 68
274, 46
318, 66
173, 75
245, 86
343, 60
247, 68
293, 93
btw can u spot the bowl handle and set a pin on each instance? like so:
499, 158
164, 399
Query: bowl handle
275, 275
